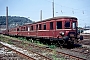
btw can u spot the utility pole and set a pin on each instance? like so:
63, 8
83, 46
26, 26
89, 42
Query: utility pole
53, 8
41, 15
6, 18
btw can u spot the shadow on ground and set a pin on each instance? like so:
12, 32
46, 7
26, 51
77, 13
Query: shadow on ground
72, 46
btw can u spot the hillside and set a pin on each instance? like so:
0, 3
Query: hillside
14, 20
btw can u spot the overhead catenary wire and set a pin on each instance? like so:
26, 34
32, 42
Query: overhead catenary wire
83, 12
73, 9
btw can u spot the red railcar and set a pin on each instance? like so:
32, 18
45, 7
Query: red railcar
13, 31
57, 29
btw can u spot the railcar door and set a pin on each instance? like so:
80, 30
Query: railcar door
73, 25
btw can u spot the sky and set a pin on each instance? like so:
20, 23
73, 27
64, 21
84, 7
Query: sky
31, 9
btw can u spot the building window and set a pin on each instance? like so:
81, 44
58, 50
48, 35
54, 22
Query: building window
51, 25
44, 26
59, 24
40, 26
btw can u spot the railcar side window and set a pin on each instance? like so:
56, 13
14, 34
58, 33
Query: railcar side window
59, 24
14, 29
22, 29
31, 27
17, 29
44, 26
26, 28
51, 25
40, 26
67, 24
36, 27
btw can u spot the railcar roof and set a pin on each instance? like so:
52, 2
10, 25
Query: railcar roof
59, 17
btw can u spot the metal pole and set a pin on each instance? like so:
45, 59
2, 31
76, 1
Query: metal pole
6, 18
41, 15
53, 8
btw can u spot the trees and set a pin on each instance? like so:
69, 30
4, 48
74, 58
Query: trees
14, 20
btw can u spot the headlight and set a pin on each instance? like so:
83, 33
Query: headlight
62, 33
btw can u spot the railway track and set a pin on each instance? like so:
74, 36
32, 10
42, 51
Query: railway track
83, 50
43, 51
28, 55
8, 54
86, 36
31, 55
47, 52
61, 54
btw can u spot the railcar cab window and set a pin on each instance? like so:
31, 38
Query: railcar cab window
67, 24
40, 26
74, 25
51, 25
44, 26
59, 25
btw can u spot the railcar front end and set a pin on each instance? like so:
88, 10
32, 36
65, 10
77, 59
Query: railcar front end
70, 34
